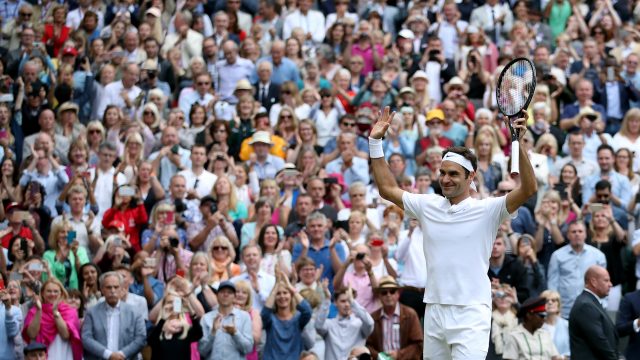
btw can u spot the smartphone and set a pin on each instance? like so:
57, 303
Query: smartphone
170, 218
126, 191
595, 207
117, 241
36, 266
611, 74
150, 262
177, 305
1, 284
14, 276
71, 236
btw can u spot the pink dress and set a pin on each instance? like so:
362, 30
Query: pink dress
253, 355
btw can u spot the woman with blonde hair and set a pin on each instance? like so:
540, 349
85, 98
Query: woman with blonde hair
624, 165
244, 301
555, 324
54, 323
289, 96
485, 147
224, 192
150, 117
78, 156
309, 163
287, 126
543, 95
223, 255
629, 135
307, 137
65, 257
609, 237
550, 220
132, 157
175, 331
163, 217
547, 145
200, 274
96, 134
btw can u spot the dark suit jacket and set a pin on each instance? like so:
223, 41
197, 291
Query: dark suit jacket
411, 338
273, 95
592, 334
629, 311
627, 92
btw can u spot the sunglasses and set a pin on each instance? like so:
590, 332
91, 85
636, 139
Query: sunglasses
219, 248
203, 83
147, 113
552, 300
286, 92
325, 96
387, 292
286, 117
348, 124
26, 14
95, 131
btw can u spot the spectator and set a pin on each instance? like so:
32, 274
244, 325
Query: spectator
105, 178
620, 185
244, 301
11, 317
311, 21
350, 328
113, 327
65, 256
173, 334
396, 330
129, 210
54, 323
284, 340
572, 262
227, 332
231, 70
508, 269
357, 272
354, 168
576, 145
532, 312
86, 229
171, 158
554, 324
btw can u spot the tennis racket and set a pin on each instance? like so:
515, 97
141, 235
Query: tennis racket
516, 85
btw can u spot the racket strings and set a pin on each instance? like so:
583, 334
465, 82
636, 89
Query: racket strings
516, 87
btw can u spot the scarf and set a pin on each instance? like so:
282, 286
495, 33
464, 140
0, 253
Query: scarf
48, 330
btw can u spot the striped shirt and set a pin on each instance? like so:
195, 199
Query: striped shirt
391, 330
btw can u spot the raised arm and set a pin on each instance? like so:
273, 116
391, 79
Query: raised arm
387, 185
528, 184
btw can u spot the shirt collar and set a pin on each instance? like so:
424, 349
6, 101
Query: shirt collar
114, 308
396, 312
594, 295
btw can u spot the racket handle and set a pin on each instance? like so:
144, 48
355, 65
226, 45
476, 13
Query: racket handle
515, 157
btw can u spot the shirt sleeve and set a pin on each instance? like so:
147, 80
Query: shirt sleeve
412, 204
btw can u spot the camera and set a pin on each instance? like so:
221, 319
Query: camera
175, 149
174, 242
377, 75
213, 207
151, 74
433, 55
330, 180
179, 205
360, 256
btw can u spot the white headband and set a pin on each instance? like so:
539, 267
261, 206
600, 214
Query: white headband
462, 161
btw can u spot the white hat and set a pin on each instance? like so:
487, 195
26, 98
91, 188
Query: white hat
154, 11
420, 74
456, 81
261, 137
407, 34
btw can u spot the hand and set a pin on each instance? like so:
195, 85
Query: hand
325, 288
6, 299
367, 265
382, 124
74, 247
117, 356
230, 329
217, 324
38, 304
319, 272
519, 125
304, 239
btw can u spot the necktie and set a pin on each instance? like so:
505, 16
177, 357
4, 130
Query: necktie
494, 33
262, 93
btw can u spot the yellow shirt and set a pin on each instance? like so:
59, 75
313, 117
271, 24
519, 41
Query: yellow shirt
278, 149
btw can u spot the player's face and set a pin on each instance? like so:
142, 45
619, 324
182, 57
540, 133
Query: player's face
453, 180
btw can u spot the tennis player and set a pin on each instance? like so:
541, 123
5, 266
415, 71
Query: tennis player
458, 237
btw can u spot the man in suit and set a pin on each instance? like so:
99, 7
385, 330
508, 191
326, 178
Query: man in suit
406, 341
267, 93
592, 333
98, 340
628, 322
495, 19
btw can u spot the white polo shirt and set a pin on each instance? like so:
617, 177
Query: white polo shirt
457, 244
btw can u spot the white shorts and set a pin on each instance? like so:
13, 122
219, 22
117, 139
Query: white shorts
456, 332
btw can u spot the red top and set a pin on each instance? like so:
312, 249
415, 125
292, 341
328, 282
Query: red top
24, 232
132, 218
58, 42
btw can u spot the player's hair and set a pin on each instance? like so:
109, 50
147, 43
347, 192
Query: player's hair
466, 153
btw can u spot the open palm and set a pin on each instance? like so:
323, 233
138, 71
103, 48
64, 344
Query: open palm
382, 124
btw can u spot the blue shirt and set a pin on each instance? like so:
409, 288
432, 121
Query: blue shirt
358, 171
284, 337
156, 285
230, 74
9, 329
322, 257
286, 71
362, 144
168, 169
269, 168
53, 183
572, 110
566, 272
620, 187
457, 134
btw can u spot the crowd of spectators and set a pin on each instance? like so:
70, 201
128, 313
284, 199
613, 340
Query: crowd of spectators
190, 179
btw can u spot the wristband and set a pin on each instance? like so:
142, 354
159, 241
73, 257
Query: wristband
375, 148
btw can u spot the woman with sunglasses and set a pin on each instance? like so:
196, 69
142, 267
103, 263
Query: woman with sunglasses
528, 340
289, 96
325, 116
96, 134
554, 324
222, 256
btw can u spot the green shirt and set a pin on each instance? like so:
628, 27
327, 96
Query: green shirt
59, 270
